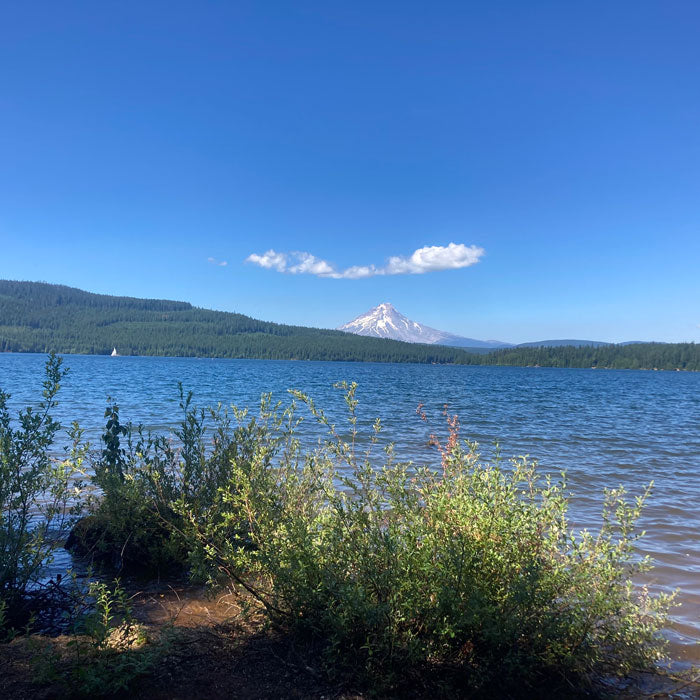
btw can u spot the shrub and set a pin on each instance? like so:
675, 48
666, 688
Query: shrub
129, 526
142, 482
37, 496
471, 571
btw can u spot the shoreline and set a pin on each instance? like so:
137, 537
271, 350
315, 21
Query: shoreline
351, 361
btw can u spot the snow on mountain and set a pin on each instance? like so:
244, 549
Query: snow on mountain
384, 321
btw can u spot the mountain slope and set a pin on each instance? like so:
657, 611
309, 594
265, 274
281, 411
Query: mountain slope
384, 321
39, 317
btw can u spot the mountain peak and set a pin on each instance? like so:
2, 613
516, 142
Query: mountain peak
384, 321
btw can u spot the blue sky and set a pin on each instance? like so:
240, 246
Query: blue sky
555, 144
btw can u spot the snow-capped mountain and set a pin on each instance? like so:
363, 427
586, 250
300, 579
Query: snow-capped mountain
384, 321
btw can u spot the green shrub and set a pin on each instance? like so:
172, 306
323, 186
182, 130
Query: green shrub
37, 498
144, 480
470, 573
130, 526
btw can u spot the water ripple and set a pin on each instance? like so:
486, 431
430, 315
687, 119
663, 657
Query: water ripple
603, 428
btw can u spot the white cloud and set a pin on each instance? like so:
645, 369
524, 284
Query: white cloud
435, 257
427, 259
357, 272
214, 261
311, 265
270, 259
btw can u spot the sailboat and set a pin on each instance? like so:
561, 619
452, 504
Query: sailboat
114, 353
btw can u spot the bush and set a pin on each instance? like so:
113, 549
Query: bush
131, 526
470, 573
144, 480
36, 497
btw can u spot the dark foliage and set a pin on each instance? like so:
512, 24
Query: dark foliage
39, 317
669, 356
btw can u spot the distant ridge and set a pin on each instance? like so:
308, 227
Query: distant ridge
559, 343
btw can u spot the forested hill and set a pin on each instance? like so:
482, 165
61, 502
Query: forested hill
39, 317
683, 356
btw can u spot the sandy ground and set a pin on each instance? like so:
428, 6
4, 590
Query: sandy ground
212, 647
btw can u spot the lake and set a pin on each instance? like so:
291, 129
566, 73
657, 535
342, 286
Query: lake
604, 427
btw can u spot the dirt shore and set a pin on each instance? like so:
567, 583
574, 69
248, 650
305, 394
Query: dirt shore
215, 647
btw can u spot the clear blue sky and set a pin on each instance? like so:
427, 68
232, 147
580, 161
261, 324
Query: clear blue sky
140, 139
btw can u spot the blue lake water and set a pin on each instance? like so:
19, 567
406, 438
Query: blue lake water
604, 428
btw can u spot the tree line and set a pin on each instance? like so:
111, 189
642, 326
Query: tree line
43, 318
40, 317
667, 356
